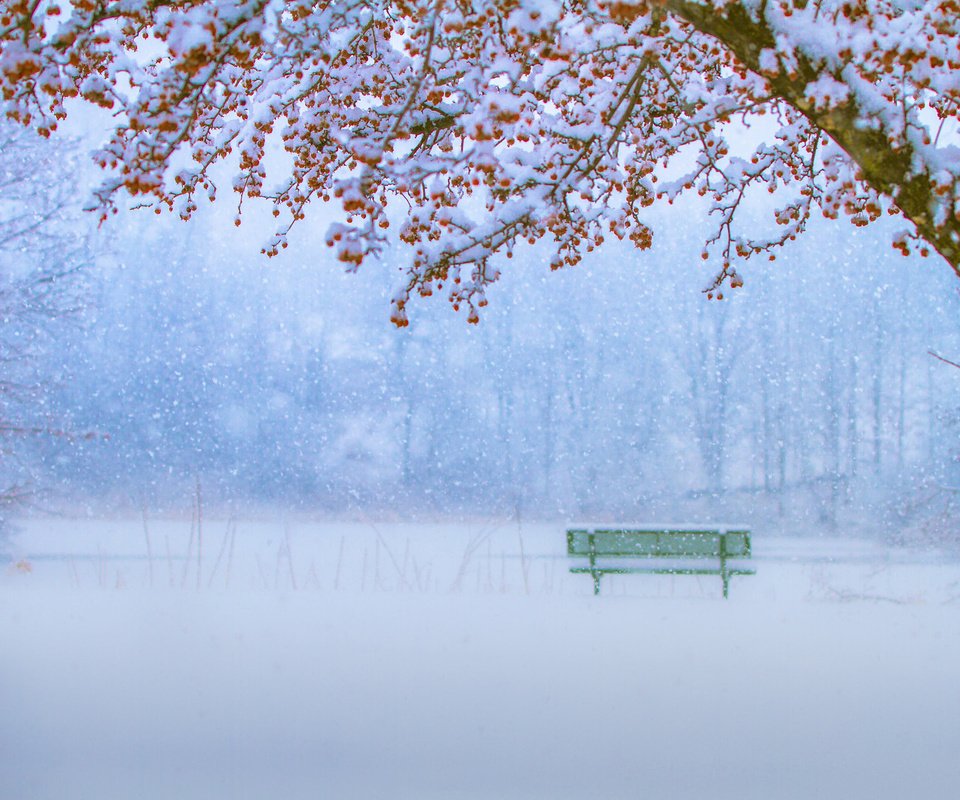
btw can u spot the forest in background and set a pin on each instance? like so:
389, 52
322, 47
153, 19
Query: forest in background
172, 354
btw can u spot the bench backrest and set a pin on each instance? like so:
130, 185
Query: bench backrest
659, 543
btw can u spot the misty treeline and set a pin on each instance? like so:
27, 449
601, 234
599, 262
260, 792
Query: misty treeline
46, 259
614, 390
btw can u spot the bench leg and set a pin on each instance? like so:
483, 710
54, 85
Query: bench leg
726, 581
593, 565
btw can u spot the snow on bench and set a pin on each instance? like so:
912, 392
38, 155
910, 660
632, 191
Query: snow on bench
660, 549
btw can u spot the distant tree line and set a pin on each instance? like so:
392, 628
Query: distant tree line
613, 390
45, 259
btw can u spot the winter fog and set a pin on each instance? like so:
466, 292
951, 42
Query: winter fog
149, 355
258, 542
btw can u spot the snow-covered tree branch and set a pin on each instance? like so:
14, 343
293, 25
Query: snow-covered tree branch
495, 122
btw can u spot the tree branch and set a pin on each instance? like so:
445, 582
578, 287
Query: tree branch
895, 171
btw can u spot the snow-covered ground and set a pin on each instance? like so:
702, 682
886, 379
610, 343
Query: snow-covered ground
294, 659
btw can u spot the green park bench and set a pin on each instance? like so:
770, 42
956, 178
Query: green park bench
668, 550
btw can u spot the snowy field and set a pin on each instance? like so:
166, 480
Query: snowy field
288, 659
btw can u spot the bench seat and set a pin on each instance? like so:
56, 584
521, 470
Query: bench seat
661, 550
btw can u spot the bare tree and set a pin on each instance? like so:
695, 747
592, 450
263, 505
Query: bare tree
44, 251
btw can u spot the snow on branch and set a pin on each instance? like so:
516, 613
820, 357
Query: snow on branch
497, 121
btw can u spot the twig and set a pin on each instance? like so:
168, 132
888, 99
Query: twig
233, 537
944, 360
489, 566
186, 560
416, 572
199, 533
472, 545
312, 575
166, 542
220, 553
286, 543
146, 535
524, 564
336, 579
849, 597
263, 575
393, 560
